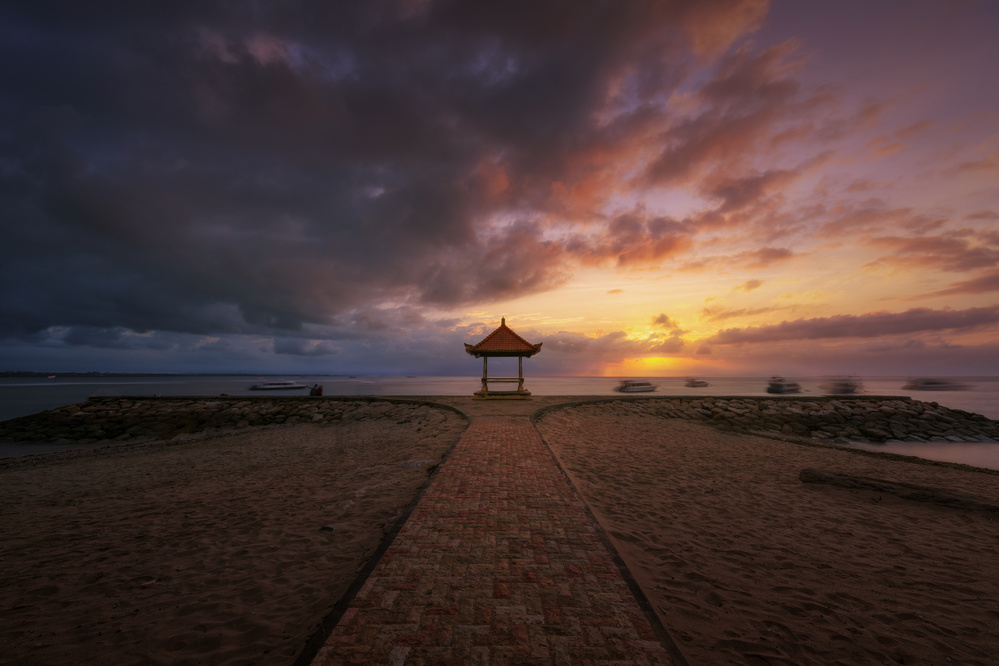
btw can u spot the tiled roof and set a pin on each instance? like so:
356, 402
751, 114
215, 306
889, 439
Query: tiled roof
503, 342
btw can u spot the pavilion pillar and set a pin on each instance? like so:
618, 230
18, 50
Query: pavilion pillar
485, 373
520, 373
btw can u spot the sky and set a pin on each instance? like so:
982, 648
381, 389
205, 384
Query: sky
710, 188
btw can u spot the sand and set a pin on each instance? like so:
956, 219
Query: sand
223, 551
232, 550
745, 564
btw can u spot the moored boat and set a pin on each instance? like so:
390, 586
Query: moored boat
631, 386
842, 386
278, 385
693, 382
781, 385
926, 384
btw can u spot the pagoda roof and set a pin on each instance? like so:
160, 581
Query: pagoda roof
503, 342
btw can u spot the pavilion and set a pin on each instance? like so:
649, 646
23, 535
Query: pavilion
503, 342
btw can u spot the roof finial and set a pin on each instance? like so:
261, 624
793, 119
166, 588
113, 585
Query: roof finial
502, 321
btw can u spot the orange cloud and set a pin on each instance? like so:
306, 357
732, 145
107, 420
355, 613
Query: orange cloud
764, 257
985, 283
493, 177
749, 285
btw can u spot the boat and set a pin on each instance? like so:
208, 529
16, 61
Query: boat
695, 383
925, 384
781, 385
631, 386
278, 385
842, 386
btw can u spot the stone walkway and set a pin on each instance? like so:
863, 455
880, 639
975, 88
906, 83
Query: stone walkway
498, 563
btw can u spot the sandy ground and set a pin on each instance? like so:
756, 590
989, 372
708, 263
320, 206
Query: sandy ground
232, 550
225, 551
745, 564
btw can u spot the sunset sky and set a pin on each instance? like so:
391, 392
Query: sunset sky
711, 188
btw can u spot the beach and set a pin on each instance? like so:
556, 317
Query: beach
745, 564
232, 547
227, 550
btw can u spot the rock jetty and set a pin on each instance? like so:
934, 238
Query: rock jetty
165, 418
840, 419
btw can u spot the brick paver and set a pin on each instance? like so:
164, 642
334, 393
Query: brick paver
498, 563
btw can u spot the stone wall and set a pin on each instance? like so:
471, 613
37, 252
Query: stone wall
838, 419
857, 419
121, 418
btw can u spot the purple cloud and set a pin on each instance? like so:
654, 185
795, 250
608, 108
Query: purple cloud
872, 325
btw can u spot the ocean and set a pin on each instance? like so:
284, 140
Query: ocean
23, 396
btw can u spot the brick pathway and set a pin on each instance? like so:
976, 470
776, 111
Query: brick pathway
498, 563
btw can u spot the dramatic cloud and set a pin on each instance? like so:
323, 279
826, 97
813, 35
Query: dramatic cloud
198, 159
736, 114
360, 184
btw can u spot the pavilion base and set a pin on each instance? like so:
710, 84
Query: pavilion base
502, 395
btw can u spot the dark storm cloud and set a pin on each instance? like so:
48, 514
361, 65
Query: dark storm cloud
213, 168
870, 325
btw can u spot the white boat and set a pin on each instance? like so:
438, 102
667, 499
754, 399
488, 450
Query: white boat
278, 385
695, 383
631, 386
781, 385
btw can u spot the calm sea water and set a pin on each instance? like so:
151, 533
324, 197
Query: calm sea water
20, 397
